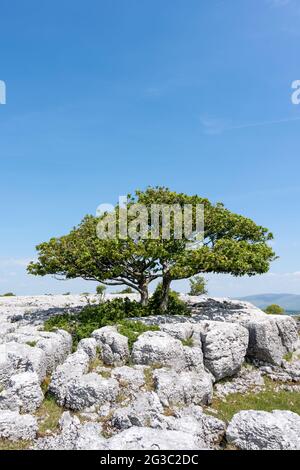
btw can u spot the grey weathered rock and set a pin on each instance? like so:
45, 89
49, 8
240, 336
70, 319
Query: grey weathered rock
224, 347
5, 328
6, 369
14, 426
288, 332
265, 343
192, 420
23, 393
90, 437
193, 358
73, 436
182, 331
141, 412
74, 367
221, 309
56, 345
114, 347
138, 438
132, 379
270, 338
260, 430
65, 440
183, 389
89, 346
158, 348
90, 389
247, 380
212, 430
289, 372
16, 358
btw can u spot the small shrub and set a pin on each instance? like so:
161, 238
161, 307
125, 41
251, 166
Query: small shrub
274, 310
100, 289
81, 325
8, 294
127, 290
176, 306
198, 286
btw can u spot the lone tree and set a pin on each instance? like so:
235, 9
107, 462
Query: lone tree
231, 244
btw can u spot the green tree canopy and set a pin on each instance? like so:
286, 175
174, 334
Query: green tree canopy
232, 244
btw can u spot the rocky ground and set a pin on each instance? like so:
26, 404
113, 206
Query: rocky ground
173, 390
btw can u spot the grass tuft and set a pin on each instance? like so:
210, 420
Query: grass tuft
267, 400
188, 342
149, 381
5, 444
48, 416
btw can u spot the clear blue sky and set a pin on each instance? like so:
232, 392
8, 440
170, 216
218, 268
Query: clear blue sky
107, 96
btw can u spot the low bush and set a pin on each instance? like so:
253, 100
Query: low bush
114, 312
274, 310
127, 290
198, 286
100, 289
176, 306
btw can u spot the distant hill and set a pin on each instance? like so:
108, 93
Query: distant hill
290, 302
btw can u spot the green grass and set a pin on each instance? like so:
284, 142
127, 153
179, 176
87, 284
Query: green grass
132, 329
288, 357
97, 362
149, 381
48, 416
188, 342
5, 444
94, 363
266, 400
31, 343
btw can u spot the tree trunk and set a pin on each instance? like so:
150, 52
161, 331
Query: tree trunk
144, 294
166, 282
